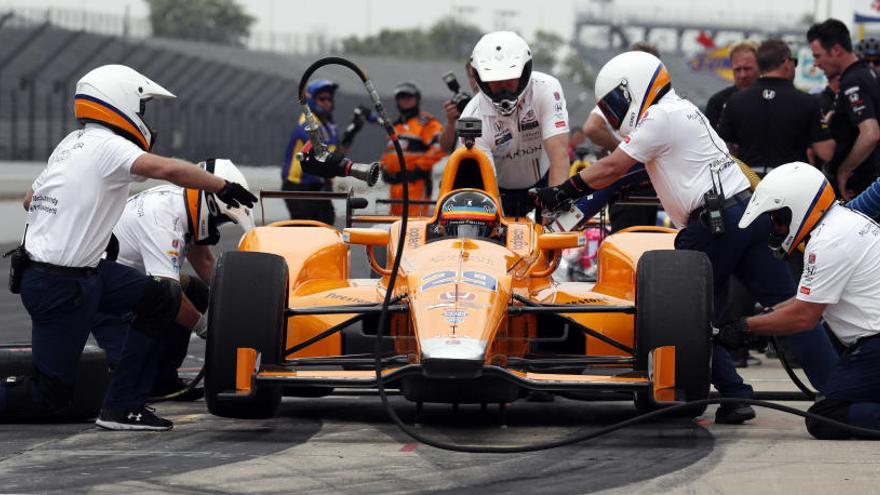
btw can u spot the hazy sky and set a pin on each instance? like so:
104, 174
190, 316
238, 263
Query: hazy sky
339, 18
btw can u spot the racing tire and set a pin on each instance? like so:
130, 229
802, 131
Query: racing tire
247, 309
674, 307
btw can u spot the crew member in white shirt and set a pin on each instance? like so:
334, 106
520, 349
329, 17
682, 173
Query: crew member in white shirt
159, 228
524, 119
840, 282
685, 160
77, 201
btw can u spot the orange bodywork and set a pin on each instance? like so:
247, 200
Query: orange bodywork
458, 292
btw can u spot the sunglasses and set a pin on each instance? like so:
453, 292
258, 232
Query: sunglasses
794, 60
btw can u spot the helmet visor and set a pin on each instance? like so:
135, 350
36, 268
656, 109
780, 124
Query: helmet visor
615, 104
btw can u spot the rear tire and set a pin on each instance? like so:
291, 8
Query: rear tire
247, 309
674, 307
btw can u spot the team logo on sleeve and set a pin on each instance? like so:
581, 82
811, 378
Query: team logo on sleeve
856, 103
805, 290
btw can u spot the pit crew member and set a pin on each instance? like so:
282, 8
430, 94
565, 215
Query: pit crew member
524, 117
159, 228
320, 96
688, 163
840, 283
76, 202
419, 134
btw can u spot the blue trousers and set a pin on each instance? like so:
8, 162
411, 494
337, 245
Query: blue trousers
62, 310
517, 202
744, 253
856, 380
111, 333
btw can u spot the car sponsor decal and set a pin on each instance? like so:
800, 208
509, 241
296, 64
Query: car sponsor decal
455, 316
451, 296
471, 277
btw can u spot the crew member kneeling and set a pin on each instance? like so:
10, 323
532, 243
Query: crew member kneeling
840, 282
73, 208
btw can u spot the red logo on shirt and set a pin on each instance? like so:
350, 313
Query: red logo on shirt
811, 259
626, 139
556, 95
174, 243
805, 290
560, 124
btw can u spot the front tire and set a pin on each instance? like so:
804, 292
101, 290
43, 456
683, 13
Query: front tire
674, 307
247, 309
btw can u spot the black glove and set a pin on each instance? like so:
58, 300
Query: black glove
355, 126
555, 197
333, 166
733, 334
234, 194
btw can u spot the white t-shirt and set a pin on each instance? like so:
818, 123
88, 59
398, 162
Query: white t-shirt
842, 270
152, 232
79, 196
515, 143
678, 147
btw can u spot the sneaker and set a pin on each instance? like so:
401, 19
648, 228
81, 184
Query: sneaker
734, 414
177, 391
141, 419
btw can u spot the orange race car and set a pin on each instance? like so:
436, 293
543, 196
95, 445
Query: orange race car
475, 315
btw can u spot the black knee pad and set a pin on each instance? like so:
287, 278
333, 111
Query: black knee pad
834, 409
157, 307
196, 291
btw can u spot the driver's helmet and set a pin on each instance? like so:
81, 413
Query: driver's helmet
469, 214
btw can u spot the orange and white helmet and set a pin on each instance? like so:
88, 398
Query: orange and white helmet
627, 85
206, 212
796, 195
115, 96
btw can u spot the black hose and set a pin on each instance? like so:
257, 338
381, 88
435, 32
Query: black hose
383, 321
173, 395
788, 370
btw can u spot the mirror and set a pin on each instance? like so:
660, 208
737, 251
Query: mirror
561, 240
366, 237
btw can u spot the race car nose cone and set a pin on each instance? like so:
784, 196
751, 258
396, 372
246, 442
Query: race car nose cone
453, 357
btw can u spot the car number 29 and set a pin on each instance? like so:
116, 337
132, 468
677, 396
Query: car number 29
478, 279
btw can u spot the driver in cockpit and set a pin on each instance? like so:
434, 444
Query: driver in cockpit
468, 214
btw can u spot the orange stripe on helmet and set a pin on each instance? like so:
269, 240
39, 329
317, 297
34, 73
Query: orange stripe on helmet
93, 110
191, 197
660, 81
823, 202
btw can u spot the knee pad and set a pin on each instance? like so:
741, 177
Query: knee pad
158, 306
833, 409
196, 291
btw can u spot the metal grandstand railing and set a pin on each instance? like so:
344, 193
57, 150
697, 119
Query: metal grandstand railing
222, 110
126, 26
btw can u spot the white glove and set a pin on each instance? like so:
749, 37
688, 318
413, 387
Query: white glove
201, 326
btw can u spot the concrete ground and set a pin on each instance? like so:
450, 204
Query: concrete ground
344, 443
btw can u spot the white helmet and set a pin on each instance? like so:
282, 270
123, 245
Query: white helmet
796, 195
501, 56
627, 85
114, 95
206, 212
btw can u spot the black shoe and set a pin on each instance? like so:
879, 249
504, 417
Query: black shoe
734, 414
177, 391
141, 419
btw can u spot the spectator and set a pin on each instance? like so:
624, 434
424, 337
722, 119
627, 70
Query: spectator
771, 122
856, 160
744, 64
